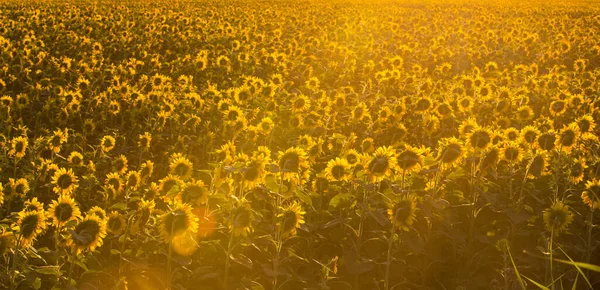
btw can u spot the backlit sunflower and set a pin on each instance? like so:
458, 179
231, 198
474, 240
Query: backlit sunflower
87, 234
479, 138
409, 158
253, 173
116, 223
338, 169
64, 181
450, 151
577, 170
586, 123
591, 194
75, 158
146, 170
292, 163
537, 165
7, 241
178, 220
529, 135
568, 137
58, 138
181, 167
113, 179
63, 210
119, 164
241, 219
512, 152
558, 217
546, 141
558, 107
29, 225
194, 193
290, 219
132, 180
144, 141
382, 163
367, 145
402, 213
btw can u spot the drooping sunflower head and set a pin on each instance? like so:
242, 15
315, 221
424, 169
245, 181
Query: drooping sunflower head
178, 220
290, 219
63, 210
402, 213
382, 163
537, 165
450, 151
480, 138
64, 181
87, 234
591, 194
558, 217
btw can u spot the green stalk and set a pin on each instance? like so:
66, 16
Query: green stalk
389, 253
228, 260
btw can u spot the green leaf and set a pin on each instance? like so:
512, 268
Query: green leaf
119, 206
515, 268
536, 283
340, 199
48, 270
305, 198
578, 266
37, 283
241, 259
115, 252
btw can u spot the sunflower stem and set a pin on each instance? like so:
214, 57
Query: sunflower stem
13, 267
550, 250
71, 266
389, 253
228, 261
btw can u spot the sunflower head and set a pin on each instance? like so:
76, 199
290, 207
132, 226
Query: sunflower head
338, 170
537, 165
402, 213
181, 167
512, 152
29, 225
591, 194
63, 210
7, 241
241, 219
97, 211
409, 158
382, 163
64, 181
107, 143
567, 137
480, 138
116, 223
546, 141
557, 218
450, 151
178, 220
87, 234
33, 205
290, 219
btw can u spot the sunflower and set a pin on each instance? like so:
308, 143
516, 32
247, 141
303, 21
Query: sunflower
168, 183
558, 107
511, 134
568, 137
75, 158
107, 143
586, 123
64, 181
591, 194
240, 220
490, 158
359, 112
115, 223
338, 169
63, 210
537, 165
97, 211
120, 164
382, 163
525, 113
144, 141
558, 217
194, 193
409, 158
18, 147
33, 205
465, 104
181, 167
402, 213
87, 234
300, 104
145, 209
290, 219
113, 179
367, 145
450, 151
253, 172
29, 225
292, 162
58, 138
178, 220
422, 104
266, 125
577, 171
546, 141
529, 134
19, 187
467, 126
512, 152
146, 169
479, 138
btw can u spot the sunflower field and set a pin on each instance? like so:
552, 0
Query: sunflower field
299, 145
